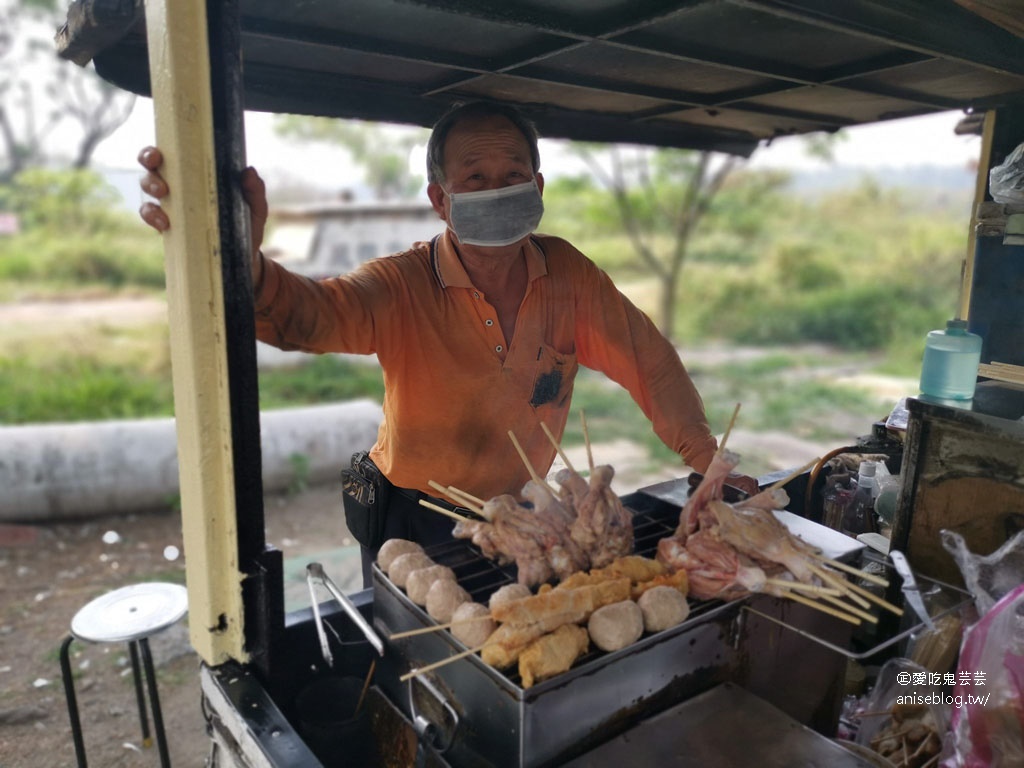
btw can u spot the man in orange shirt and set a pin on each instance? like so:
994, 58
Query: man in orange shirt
478, 332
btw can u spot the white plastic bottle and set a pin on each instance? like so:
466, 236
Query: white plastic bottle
949, 370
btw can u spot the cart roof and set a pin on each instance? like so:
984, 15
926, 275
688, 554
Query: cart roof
704, 74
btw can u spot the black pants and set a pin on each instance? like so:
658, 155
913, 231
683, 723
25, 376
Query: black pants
406, 519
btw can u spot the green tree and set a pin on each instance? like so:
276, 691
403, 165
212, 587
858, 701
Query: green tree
660, 196
62, 201
39, 92
381, 150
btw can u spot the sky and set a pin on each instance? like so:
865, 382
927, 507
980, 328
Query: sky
909, 142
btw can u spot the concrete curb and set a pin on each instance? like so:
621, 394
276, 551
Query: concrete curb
61, 471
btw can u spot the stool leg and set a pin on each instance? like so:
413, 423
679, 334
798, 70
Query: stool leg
140, 698
154, 702
69, 694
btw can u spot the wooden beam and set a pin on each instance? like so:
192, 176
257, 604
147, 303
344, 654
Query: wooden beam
179, 66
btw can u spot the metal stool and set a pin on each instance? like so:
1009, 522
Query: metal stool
128, 615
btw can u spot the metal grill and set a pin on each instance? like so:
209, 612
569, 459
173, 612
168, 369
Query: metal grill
482, 577
485, 716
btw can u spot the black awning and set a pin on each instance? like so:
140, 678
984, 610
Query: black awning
715, 74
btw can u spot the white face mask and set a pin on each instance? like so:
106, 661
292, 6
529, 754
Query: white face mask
495, 217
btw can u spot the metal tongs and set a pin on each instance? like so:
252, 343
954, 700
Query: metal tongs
315, 573
910, 589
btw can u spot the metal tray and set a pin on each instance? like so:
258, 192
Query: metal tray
941, 599
482, 714
479, 714
705, 729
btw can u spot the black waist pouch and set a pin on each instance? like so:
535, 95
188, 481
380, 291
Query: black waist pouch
365, 494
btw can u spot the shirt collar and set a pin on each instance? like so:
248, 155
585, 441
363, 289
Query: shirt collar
453, 274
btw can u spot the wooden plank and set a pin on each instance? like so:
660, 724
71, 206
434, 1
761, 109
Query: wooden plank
180, 72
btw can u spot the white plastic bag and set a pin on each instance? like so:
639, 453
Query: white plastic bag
905, 714
1006, 180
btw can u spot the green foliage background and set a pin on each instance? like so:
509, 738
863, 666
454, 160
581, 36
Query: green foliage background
866, 268
867, 271
73, 237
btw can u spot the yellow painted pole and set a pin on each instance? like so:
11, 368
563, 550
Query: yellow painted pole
179, 66
980, 186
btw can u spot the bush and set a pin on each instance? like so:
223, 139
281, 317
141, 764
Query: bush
73, 233
112, 259
61, 201
79, 390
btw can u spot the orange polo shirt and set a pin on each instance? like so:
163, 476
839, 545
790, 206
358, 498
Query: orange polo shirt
452, 388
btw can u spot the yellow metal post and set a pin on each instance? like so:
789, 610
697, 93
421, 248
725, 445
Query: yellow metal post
179, 66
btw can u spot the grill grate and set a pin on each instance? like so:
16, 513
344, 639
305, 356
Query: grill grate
482, 577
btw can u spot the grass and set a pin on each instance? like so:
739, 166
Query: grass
324, 378
109, 372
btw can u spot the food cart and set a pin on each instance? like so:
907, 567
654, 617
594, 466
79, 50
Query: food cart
721, 75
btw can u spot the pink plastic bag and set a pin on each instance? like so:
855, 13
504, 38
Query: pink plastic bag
988, 723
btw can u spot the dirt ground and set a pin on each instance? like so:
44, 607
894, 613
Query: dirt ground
48, 572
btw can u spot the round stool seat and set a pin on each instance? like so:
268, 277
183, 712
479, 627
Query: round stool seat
130, 613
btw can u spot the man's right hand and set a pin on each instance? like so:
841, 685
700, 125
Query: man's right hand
253, 191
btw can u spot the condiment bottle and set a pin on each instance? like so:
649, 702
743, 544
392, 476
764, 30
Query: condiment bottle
835, 499
949, 370
859, 515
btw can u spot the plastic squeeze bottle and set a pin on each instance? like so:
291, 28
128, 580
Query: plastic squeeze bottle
950, 367
859, 515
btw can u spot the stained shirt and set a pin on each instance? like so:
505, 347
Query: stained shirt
453, 389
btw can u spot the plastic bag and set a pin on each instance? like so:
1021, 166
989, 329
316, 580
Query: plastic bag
988, 577
988, 729
904, 711
1006, 180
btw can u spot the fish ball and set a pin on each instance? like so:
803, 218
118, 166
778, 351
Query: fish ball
477, 624
662, 607
613, 627
392, 548
508, 593
419, 582
443, 598
405, 564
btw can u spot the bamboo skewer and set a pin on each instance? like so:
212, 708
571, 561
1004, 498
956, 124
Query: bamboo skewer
366, 687
851, 608
794, 474
799, 586
446, 512
876, 599
463, 499
856, 593
558, 448
841, 584
823, 608
467, 496
420, 670
472, 503
728, 429
435, 628
586, 441
851, 570
526, 461
437, 487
